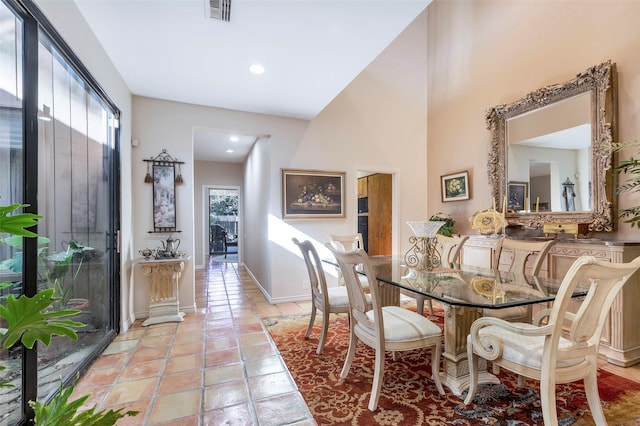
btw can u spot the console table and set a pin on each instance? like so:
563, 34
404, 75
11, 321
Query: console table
163, 277
620, 339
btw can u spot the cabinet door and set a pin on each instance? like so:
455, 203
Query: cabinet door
362, 187
379, 194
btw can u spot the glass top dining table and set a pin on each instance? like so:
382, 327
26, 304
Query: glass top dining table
465, 292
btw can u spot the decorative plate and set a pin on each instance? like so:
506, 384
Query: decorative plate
487, 221
483, 286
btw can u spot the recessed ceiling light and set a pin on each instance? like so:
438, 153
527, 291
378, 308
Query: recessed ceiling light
233, 139
229, 151
256, 69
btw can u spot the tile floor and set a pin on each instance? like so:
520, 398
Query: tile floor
218, 367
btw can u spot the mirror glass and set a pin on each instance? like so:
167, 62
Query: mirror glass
549, 150
550, 159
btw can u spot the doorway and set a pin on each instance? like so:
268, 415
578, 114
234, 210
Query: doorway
375, 212
223, 226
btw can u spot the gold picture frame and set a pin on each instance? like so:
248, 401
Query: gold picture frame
312, 194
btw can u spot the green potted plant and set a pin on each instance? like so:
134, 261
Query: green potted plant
31, 319
448, 229
631, 168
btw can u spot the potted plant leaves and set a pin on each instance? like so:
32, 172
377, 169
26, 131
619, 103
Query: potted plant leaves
631, 168
31, 319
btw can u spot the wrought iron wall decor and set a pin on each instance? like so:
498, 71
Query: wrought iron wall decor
164, 181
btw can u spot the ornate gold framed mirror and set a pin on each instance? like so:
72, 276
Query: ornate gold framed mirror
557, 141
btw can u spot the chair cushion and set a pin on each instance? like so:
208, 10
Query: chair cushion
525, 350
338, 296
516, 312
402, 324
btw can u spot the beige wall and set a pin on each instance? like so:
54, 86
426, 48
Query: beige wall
486, 53
208, 174
159, 124
376, 124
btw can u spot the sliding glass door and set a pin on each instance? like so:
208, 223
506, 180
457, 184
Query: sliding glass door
58, 154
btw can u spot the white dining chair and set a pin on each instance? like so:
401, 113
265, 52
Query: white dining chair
324, 299
384, 328
524, 257
561, 346
449, 249
349, 242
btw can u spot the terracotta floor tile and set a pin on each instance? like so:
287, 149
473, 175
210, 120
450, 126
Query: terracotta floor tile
184, 421
217, 367
151, 341
223, 373
179, 382
148, 354
102, 376
257, 351
191, 348
132, 391
121, 346
189, 337
222, 357
142, 370
184, 363
107, 361
225, 394
176, 406
271, 385
264, 365
221, 343
141, 406
274, 411
237, 415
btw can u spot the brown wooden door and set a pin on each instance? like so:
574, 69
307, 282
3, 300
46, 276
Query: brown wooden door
379, 191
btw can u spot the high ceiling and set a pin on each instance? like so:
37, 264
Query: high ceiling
310, 49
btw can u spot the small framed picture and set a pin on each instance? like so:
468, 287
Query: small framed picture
455, 187
312, 194
517, 196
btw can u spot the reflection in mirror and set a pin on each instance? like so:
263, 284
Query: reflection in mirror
555, 142
549, 145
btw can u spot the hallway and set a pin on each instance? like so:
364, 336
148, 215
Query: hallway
217, 367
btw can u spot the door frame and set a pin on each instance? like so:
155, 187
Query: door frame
205, 220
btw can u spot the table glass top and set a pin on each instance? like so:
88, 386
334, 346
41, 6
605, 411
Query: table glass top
464, 285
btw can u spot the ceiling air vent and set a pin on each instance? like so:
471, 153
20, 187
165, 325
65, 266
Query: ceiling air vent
220, 9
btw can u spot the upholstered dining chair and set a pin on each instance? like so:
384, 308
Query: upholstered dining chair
449, 249
388, 328
561, 346
324, 299
349, 242
524, 257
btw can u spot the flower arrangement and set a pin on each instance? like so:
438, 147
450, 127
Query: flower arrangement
448, 229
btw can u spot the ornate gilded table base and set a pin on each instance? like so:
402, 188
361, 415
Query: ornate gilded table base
163, 277
458, 320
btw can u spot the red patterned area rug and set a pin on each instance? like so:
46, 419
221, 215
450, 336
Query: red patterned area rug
409, 396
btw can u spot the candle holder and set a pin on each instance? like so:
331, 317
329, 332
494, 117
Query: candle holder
423, 253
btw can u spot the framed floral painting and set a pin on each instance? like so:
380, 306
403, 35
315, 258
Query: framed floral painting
455, 187
312, 194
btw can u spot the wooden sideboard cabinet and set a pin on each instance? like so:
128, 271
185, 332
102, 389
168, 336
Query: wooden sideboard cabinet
620, 340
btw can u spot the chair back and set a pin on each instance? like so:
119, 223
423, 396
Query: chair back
350, 262
521, 251
349, 242
605, 280
317, 279
450, 248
